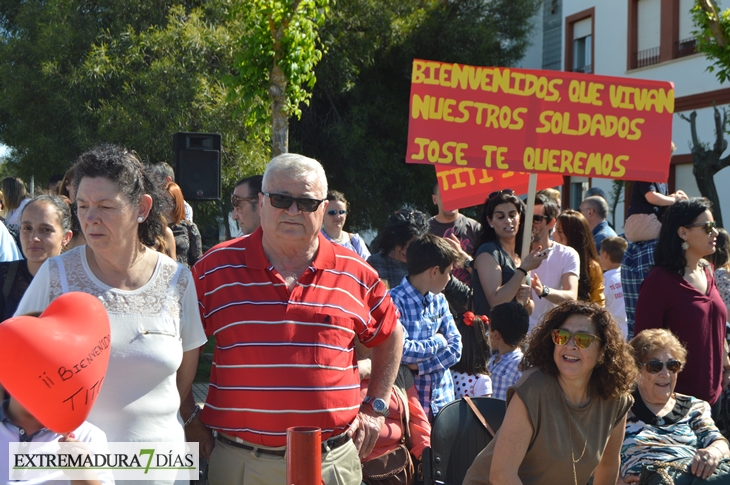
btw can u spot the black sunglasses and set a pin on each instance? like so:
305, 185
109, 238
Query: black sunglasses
655, 366
537, 218
304, 204
709, 226
336, 212
500, 193
236, 199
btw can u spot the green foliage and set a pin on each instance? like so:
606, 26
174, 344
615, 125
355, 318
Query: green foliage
74, 73
357, 123
712, 31
278, 32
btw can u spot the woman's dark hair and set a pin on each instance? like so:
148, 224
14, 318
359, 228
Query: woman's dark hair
339, 197
669, 253
13, 192
59, 206
614, 374
487, 233
402, 226
475, 348
68, 179
721, 256
126, 171
578, 236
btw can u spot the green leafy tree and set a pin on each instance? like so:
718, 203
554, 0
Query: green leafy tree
276, 57
357, 123
77, 73
712, 31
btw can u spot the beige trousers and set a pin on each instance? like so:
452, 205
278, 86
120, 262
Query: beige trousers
230, 465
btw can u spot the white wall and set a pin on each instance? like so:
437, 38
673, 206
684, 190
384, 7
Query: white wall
689, 75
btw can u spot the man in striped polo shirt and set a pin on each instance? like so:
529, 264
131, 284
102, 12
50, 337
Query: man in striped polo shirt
286, 307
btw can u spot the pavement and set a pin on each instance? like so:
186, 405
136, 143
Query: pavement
200, 391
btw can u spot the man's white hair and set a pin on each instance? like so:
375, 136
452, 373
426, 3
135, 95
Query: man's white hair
298, 167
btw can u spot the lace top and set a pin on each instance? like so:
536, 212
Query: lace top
722, 280
151, 327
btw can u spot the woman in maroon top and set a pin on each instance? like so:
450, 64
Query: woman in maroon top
679, 294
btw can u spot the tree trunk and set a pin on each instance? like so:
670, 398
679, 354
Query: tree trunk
279, 118
706, 163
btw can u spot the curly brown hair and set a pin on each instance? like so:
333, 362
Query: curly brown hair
615, 372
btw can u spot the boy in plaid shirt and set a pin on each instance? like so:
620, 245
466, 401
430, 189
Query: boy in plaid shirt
432, 341
508, 327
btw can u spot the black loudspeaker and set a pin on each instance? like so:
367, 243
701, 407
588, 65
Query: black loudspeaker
198, 165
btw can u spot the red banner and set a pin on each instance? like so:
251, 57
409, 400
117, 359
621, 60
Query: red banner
539, 121
464, 187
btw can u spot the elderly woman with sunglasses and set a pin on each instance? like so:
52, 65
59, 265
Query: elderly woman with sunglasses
679, 294
566, 415
668, 433
499, 274
334, 221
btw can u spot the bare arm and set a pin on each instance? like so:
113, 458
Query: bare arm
655, 198
195, 431
607, 470
170, 243
384, 362
490, 276
186, 373
512, 443
568, 290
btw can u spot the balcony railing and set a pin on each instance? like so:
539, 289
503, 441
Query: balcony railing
647, 57
685, 47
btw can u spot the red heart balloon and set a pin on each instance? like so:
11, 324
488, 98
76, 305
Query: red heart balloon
55, 364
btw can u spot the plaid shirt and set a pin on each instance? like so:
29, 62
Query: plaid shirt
638, 261
504, 372
431, 340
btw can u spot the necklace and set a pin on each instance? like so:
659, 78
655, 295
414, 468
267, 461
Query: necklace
572, 452
344, 237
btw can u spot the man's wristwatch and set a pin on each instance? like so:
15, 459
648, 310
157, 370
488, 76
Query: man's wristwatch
545, 292
378, 405
469, 263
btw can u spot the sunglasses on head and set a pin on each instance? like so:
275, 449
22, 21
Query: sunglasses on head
409, 215
304, 204
500, 193
333, 212
582, 340
709, 226
655, 366
537, 218
236, 199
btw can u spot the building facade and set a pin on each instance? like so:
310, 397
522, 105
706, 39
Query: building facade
647, 39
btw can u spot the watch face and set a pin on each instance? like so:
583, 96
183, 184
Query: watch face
379, 406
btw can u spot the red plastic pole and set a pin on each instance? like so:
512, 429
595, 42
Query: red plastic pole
303, 456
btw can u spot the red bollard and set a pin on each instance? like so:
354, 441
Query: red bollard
303, 456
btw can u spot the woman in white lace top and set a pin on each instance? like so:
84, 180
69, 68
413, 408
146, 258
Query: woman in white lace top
155, 324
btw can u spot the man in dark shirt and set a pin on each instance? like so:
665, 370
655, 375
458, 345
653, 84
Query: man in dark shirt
449, 222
